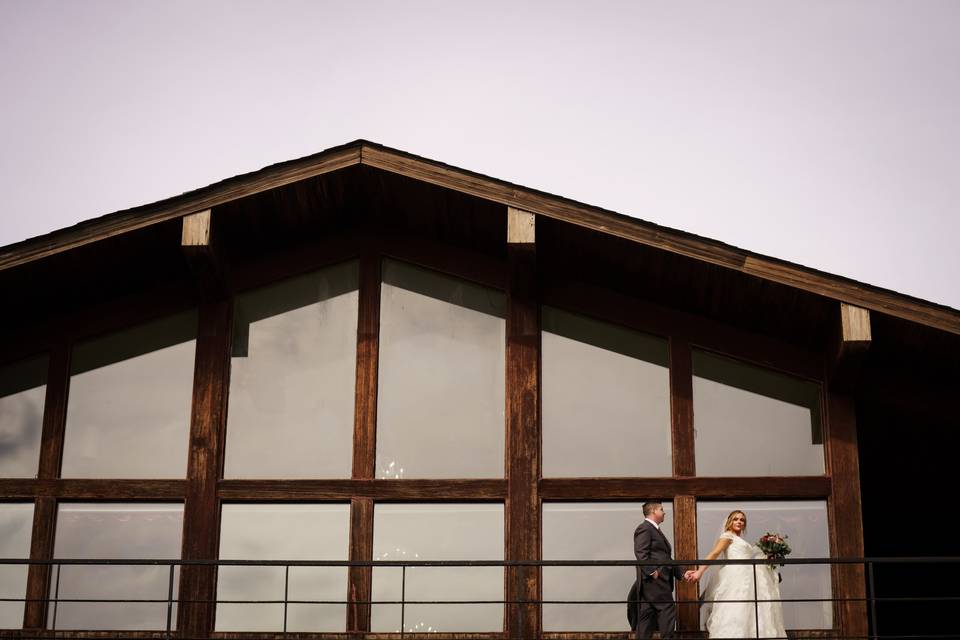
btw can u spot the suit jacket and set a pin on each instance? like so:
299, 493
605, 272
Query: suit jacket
652, 548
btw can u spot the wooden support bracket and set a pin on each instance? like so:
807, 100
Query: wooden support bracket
202, 252
521, 226
851, 346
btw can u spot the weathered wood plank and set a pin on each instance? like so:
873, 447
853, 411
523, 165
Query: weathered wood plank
201, 512
523, 508
368, 350
846, 519
681, 407
685, 533
701, 487
853, 339
93, 489
521, 226
360, 579
343, 490
38, 576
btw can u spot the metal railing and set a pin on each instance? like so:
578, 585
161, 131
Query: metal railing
870, 601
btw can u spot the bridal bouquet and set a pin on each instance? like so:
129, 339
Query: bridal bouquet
774, 546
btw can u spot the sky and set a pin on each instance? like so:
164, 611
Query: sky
823, 133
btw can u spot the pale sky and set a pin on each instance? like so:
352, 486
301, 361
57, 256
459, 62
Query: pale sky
824, 133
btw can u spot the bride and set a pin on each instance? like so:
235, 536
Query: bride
733, 582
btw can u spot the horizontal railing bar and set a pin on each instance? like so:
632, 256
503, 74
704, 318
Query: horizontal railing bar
469, 563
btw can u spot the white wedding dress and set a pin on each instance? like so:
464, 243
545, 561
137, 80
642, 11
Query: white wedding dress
736, 582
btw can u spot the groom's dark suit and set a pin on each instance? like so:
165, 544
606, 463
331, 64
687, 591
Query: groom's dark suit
656, 594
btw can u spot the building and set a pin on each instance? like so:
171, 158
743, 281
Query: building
366, 355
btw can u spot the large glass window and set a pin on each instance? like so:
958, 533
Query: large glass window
606, 399
16, 525
283, 532
754, 422
128, 413
292, 378
22, 389
591, 531
438, 532
441, 398
805, 522
115, 531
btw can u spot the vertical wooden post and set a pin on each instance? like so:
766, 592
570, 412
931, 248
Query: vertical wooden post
360, 581
523, 509
45, 509
684, 465
201, 512
852, 342
846, 520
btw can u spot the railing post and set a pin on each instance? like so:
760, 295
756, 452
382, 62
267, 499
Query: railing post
403, 598
756, 600
56, 600
286, 594
170, 598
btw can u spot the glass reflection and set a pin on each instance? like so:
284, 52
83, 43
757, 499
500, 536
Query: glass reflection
22, 390
292, 378
128, 412
441, 391
606, 399
438, 532
283, 532
751, 421
118, 531
16, 526
805, 521
591, 531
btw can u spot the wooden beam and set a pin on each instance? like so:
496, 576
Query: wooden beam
681, 407
686, 244
480, 490
846, 519
799, 487
523, 506
853, 336
685, 533
521, 226
207, 198
360, 579
202, 253
45, 508
201, 510
92, 489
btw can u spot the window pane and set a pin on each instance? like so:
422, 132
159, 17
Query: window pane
754, 422
441, 400
438, 532
23, 387
283, 532
805, 521
128, 413
16, 526
585, 531
120, 531
606, 399
292, 378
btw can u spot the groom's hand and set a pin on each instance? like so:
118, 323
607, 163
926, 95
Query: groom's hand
655, 574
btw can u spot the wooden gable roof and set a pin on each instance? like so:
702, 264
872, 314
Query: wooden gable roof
362, 152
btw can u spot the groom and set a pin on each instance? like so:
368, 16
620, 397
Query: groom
656, 606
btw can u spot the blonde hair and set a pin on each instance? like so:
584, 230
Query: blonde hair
729, 522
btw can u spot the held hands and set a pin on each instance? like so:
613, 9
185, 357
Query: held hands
691, 576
